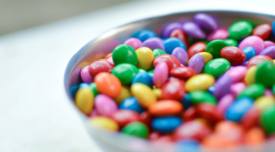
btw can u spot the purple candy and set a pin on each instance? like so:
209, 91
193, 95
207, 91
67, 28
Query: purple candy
222, 86
206, 22
153, 43
269, 51
225, 102
268, 93
197, 63
193, 30
180, 54
170, 28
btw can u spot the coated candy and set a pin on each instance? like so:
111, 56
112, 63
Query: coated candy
84, 100
196, 48
178, 33
124, 117
136, 129
231, 42
253, 41
207, 57
134, 43
193, 30
217, 34
264, 102
217, 67
253, 91
222, 86
170, 60
240, 30
100, 66
145, 58
237, 73
251, 118
268, 43
108, 84
269, 51
165, 108
170, 28
173, 89
233, 54
144, 94
265, 74
166, 124
206, 22
209, 112
237, 88
181, 55
124, 93
94, 88
153, 43
257, 60
144, 78
131, 103
160, 74
196, 63
225, 102
201, 96
125, 73
85, 75
215, 47
182, 72
249, 53
186, 101
124, 54
263, 31
105, 105
199, 82
254, 136
171, 43
145, 34
104, 122
267, 119
158, 52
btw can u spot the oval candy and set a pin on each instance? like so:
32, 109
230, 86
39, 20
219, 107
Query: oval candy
181, 55
200, 82
233, 54
170, 60
257, 60
131, 103
178, 33
161, 74
214, 47
263, 31
165, 108
104, 122
249, 53
193, 30
144, 78
125, 72
182, 72
124, 54
84, 100
265, 74
206, 22
196, 63
196, 48
253, 41
145, 58
217, 67
124, 117
269, 51
171, 43
153, 43
240, 30
218, 34
144, 94
100, 66
105, 105
166, 124
136, 129
173, 89
133, 42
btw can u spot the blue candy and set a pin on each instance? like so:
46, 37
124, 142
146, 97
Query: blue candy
144, 78
273, 28
211, 89
82, 85
171, 43
238, 109
166, 124
188, 146
186, 101
131, 103
145, 34
73, 91
249, 53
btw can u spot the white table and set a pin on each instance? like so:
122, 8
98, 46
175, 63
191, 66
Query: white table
34, 112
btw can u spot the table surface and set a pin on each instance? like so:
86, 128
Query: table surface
35, 114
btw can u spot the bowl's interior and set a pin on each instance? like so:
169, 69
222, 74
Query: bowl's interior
106, 42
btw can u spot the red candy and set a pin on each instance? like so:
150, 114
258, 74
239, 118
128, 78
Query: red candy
209, 112
183, 72
100, 66
191, 130
124, 117
251, 118
146, 118
173, 89
258, 59
233, 54
263, 31
170, 60
178, 33
196, 48
189, 114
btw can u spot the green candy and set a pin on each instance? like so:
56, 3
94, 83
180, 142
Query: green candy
125, 72
214, 47
151, 73
158, 52
268, 119
265, 74
124, 54
204, 41
273, 89
202, 96
141, 70
240, 30
217, 67
137, 129
253, 91
94, 89
231, 42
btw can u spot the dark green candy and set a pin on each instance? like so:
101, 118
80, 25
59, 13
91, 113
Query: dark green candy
94, 89
202, 96
124, 54
268, 119
158, 52
253, 91
215, 47
137, 129
217, 67
240, 30
125, 72
265, 74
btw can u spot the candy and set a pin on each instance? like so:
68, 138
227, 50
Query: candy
178, 33
144, 78
222, 86
182, 72
173, 89
145, 58
186, 101
233, 54
166, 124
253, 91
249, 53
158, 52
171, 43
165, 108
264, 102
267, 119
131, 103
124, 93
217, 67
145, 34
196, 63
253, 41
104, 122
85, 75
250, 75
137, 129
225, 102
134, 43
181, 55
269, 51
237, 73
170, 28
265, 74
207, 57
254, 136
257, 60
215, 47
217, 34
189, 114
124, 54
160, 74
125, 72
105, 105
196, 48
94, 89
200, 82
231, 42
201, 96
209, 112
268, 43
206, 22
108, 84
237, 88
100, 66
193, 30
84, 100
170, 60
144, 94
240, 30
263, 31
125, 117
153, 43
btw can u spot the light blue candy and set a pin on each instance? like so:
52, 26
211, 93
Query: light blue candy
187, 146
82, 85
145, 34
249, 53
211, 89
171, 43
238, 109
166, 124
143, 78
131, 103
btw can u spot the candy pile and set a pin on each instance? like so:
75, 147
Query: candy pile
196, 83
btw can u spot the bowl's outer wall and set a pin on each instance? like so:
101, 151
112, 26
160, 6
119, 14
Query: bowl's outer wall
106, 42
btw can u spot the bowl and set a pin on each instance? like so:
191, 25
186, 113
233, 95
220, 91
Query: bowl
105, 43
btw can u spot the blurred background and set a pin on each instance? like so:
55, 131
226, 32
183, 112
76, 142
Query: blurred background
21, 14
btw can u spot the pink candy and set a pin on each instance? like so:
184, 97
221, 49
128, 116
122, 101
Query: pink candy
160, 74
85, 75
218, 34
237, 88
134, 43
237, 73
105, 105
225, 102
253, 41
268, 43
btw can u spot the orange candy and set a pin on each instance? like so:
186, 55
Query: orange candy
108, 84
165, 108
218, 141
254, 136
108, 55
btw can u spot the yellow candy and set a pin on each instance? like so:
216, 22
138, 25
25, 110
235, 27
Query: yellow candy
84, 100
104, 122
199, 82
157, 93
144, 94
264, 102
250, 75
206, 56
145, 58
125, 93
